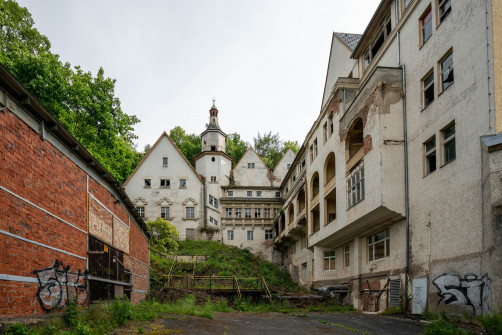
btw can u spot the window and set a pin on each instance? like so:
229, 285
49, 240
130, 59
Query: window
346, 256
213, 179
430, 156
228, 212
141, 211
304, 270
190, 234
269, 234
164, 212
444, 8
165, 183
211, 200
302, 165
213, 220
238, 213
379, 245
164, 161
250, 193
448, 138
247, 213
303, 241
325, 132
277, 194
329, 260
258, 193
257, 213
183, 183
250, 165
377, 42
288, 166
406, 3
215, 202
330, 125
230, 234
311, 153
276, 210
426, 25
250, 235
190, 212
428, 89
315, 148
213, 148
447, 71
230, 193
148, 183
355, 186
267, 213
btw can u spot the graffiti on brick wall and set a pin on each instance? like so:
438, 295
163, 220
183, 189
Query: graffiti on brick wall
57, 285
469, 291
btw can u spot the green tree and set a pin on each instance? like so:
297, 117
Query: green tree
269, 148
189, 144
86, 105
236, 147
164, 235
293, 145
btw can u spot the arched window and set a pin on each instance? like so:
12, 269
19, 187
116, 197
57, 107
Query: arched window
329, 168
315, 184
355, 138
301, 200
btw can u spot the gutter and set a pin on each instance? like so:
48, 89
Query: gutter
406, 182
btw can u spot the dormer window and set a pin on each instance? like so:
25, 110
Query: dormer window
164, 161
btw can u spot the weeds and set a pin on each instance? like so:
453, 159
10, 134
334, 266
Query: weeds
343, 327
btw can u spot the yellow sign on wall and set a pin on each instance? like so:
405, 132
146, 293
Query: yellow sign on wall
106, 248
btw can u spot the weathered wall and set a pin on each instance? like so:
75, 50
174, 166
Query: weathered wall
43, 219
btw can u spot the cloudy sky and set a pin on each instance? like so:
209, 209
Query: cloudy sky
264, 61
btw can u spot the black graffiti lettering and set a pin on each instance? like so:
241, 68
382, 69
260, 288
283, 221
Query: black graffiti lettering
57, 285
469, 291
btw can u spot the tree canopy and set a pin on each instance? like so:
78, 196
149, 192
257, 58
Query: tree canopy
86, 105
236, 148
189, 144
271, 148
164, 235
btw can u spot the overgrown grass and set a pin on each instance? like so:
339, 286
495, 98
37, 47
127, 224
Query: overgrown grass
283, 306
225, 260
451, 324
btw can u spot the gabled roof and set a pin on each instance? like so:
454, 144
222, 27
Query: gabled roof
279, 162
246, 153
350, 40
153, 148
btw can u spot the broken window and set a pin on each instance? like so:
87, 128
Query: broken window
355, 186
183, 183
148, 183
447, 71
430, 155
426, 25
228, 212
428, 89
230, 235
247, 213
165, 183
444, 8
238, 213
448, 137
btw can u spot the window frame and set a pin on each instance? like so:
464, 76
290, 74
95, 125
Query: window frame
213, 179
189, 214
230, 193
228, 212
346, 255
250, 165
247, 213
329, 256
427, 153
382, 29
162, 212
257, 213
230, 235
425, 88
249, 193
325, 132
441, 17
304, 270
266, 213
167, 183
441, 87
422, 26
250, 235
372, 244
331, 124
147, 183
238, 213
269, 234
183, 183
141, 211
165, 162
355, 179
258, 193
447, 141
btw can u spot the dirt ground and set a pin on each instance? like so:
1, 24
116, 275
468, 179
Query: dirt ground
275, 323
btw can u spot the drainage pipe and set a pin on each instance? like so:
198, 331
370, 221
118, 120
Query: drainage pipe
406, 184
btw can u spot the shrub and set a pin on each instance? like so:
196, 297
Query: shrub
441, 327
492, 323
18, 329
70, 314
121, 310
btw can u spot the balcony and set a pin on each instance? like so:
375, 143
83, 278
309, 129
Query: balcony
378, 154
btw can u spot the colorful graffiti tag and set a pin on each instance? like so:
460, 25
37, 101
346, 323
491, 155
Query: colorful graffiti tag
57, 285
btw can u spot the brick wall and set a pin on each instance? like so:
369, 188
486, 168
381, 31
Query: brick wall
43, 224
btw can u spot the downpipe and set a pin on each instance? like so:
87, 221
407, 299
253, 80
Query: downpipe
406, 182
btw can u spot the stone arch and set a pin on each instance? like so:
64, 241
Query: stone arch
329, 168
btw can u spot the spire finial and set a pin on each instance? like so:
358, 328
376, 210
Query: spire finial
214, 99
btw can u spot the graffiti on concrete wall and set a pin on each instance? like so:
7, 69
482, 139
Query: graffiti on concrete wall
468, 291
57, 285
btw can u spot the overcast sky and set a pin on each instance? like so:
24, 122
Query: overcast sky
264, 61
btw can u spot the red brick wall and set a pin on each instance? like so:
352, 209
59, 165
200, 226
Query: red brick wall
139, 259
38, 172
